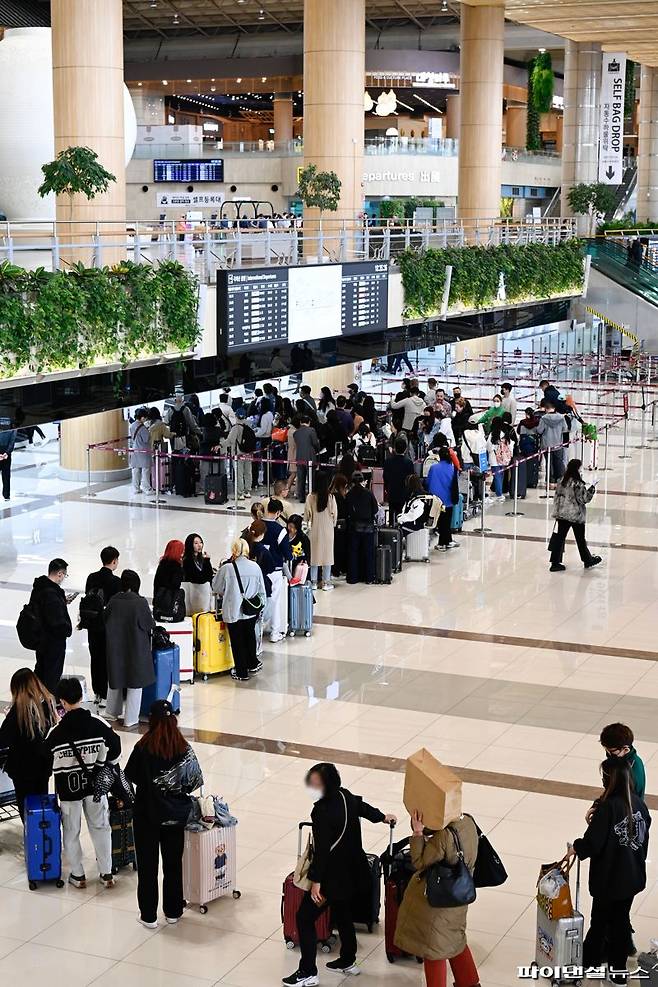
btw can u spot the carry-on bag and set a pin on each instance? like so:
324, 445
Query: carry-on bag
383, 564
209, 865
216, 489
518, 472
43, 840
169, 605
212, 646
123, 836
182, 634
366, 908
647, 964
393, 538
300, 609
457, 519
291, 899
398, 871
184, 471
417, 545
198, 598
166, 664
559, 941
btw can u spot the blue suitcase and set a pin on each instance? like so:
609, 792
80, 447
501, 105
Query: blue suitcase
43, 840
457, 521
300, 609
167, 675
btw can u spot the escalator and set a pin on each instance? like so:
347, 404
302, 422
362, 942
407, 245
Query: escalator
610, 258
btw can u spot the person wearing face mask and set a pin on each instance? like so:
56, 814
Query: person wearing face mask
494, 411
339, 871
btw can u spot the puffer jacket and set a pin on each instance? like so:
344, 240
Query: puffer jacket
570, 503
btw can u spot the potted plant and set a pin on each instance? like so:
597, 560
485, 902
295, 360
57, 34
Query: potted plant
319, 189
76, 170
594, 201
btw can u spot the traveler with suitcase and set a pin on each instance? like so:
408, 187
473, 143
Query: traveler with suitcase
362, 510
128, 626
397, 467
239, 582
438, 934
81, 747
338, 871
22, 732
443, 483
277, 542
300, 544
254, 535
165, 771
100, 587
321, 514
168, 597
616, 843
44, 624
528, 445
197, 576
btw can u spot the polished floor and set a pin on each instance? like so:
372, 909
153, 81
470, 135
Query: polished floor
501, 669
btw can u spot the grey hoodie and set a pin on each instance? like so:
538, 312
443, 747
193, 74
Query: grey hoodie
413, 408
551, 428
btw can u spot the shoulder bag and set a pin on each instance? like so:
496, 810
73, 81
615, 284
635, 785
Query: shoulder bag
101, 777
489, 871
252, 606
448, 885
300, 877
552, 541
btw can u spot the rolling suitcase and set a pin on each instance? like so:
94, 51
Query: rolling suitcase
43, 840
528, 447
184, 471
366, 909
559, 942
212, 647
209, 865
216, 488
383, 564
160, 473
291, 899
166, 663
300, 609
123, 836
417, 545
457, 519
398, 871
521, 472
393, 538
182, 634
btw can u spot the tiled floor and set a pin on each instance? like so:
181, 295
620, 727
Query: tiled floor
510, 681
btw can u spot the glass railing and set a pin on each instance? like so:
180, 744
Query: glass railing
611, 258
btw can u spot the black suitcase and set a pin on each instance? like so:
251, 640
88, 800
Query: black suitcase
184, 477
366, 908
123, 837
216, 489
383, 564
393, 538
522, 473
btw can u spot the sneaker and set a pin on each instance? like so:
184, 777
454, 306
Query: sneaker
558, 567
501, 498
78, 882
147, 925
442, 548
257, 668
107, 880
238, 678
327, 588
346, 970
453, 544
298, 979
137, 491
275, 638
110, 717
314, 586
173, 921
595, 560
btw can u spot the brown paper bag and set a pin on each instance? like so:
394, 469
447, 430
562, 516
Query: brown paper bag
432, 789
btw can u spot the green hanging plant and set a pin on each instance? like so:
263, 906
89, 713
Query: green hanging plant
543, 82
629, 88
533, 138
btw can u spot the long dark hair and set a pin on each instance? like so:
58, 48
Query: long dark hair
572, 472
321, 491
189, 545
163, 738
618, 782
328, 773
496, 433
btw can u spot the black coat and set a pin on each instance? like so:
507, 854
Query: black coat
168, 574
617, 869
195, 574
25, 762
50, 601
105, 580
343, 872
396, 470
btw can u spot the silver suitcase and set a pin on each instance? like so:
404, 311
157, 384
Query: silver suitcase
418, 546
559, 942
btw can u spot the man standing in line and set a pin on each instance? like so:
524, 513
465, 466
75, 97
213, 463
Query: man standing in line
51, 606
307, 446
102, 585
509, 402
277, 542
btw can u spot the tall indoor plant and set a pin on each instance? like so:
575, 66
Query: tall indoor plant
76, 170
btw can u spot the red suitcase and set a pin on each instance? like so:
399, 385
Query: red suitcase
398, 871
291, 900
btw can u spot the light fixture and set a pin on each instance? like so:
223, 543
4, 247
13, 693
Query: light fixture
140, 83
164, 82
188, 80
175, 18
239, 79
213, 88
263, 78
444, 7
541, 50
153, 3
261, 15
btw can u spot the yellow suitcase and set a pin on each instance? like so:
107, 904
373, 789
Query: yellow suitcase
212, 647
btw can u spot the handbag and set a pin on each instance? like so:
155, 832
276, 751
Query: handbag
301, 574
279, 435
161, 640
552, 541
252, 606
300, 878
101, 777
489, 871
169, 604
448, 885
553, 891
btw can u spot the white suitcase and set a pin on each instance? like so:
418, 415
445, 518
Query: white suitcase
418, 545
559, 942
182, 634
209, 865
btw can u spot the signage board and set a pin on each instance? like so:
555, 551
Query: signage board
177, 200
611, 146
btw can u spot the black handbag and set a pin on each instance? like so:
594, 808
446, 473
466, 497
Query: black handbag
252, 606
161, 640
489, 871
169, 605
450, 886
553, 541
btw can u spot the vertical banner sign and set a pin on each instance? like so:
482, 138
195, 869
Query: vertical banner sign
611, 148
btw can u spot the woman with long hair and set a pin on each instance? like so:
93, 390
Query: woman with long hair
239, 581
164, 770
326, 402
616, 844
321, 514
338, 489
31, 715
167, 582
572, 495
197, 575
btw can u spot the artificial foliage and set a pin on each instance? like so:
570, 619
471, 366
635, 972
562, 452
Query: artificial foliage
543, 82
629, 88
319, 189
73, 319
531, 271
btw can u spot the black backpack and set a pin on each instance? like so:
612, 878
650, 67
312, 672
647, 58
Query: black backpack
161, 639
248, 441
178, 423
92, 606
29, 626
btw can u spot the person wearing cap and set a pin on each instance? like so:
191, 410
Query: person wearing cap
165, 771
362, 508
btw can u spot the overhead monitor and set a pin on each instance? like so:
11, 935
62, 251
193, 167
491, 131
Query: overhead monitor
188, 170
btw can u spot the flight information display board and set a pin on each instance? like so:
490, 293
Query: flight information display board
192, 170
260, 307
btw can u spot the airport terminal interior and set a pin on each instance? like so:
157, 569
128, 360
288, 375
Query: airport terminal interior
211, 212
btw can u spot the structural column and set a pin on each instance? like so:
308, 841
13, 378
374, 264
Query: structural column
647, 156
481, 106
334, 79
452, 116
337, 378
581, 127
283, 118
77, 434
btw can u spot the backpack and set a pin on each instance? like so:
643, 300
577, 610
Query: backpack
161, 639
178, 424
503, 453
29, 627
92, 605
248, 441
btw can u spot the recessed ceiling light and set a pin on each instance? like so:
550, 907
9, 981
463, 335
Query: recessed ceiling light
239, 79
213, 88
164, 82
139, 83
261, 15
188, 80
154, 3
444, 7
263, 78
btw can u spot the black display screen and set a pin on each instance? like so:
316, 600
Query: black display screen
192, 170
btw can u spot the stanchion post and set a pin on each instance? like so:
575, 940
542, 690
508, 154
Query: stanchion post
516, 512
89, 493
605, 449
267, 467
643, 433
156, 454
234, 461
625, 455
483, 530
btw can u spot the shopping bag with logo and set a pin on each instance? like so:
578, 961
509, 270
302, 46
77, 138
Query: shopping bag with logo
553, 891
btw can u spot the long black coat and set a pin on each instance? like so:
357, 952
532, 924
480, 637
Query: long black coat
128, 626
343, 872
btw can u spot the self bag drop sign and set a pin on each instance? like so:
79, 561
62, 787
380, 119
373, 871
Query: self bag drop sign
611, 149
